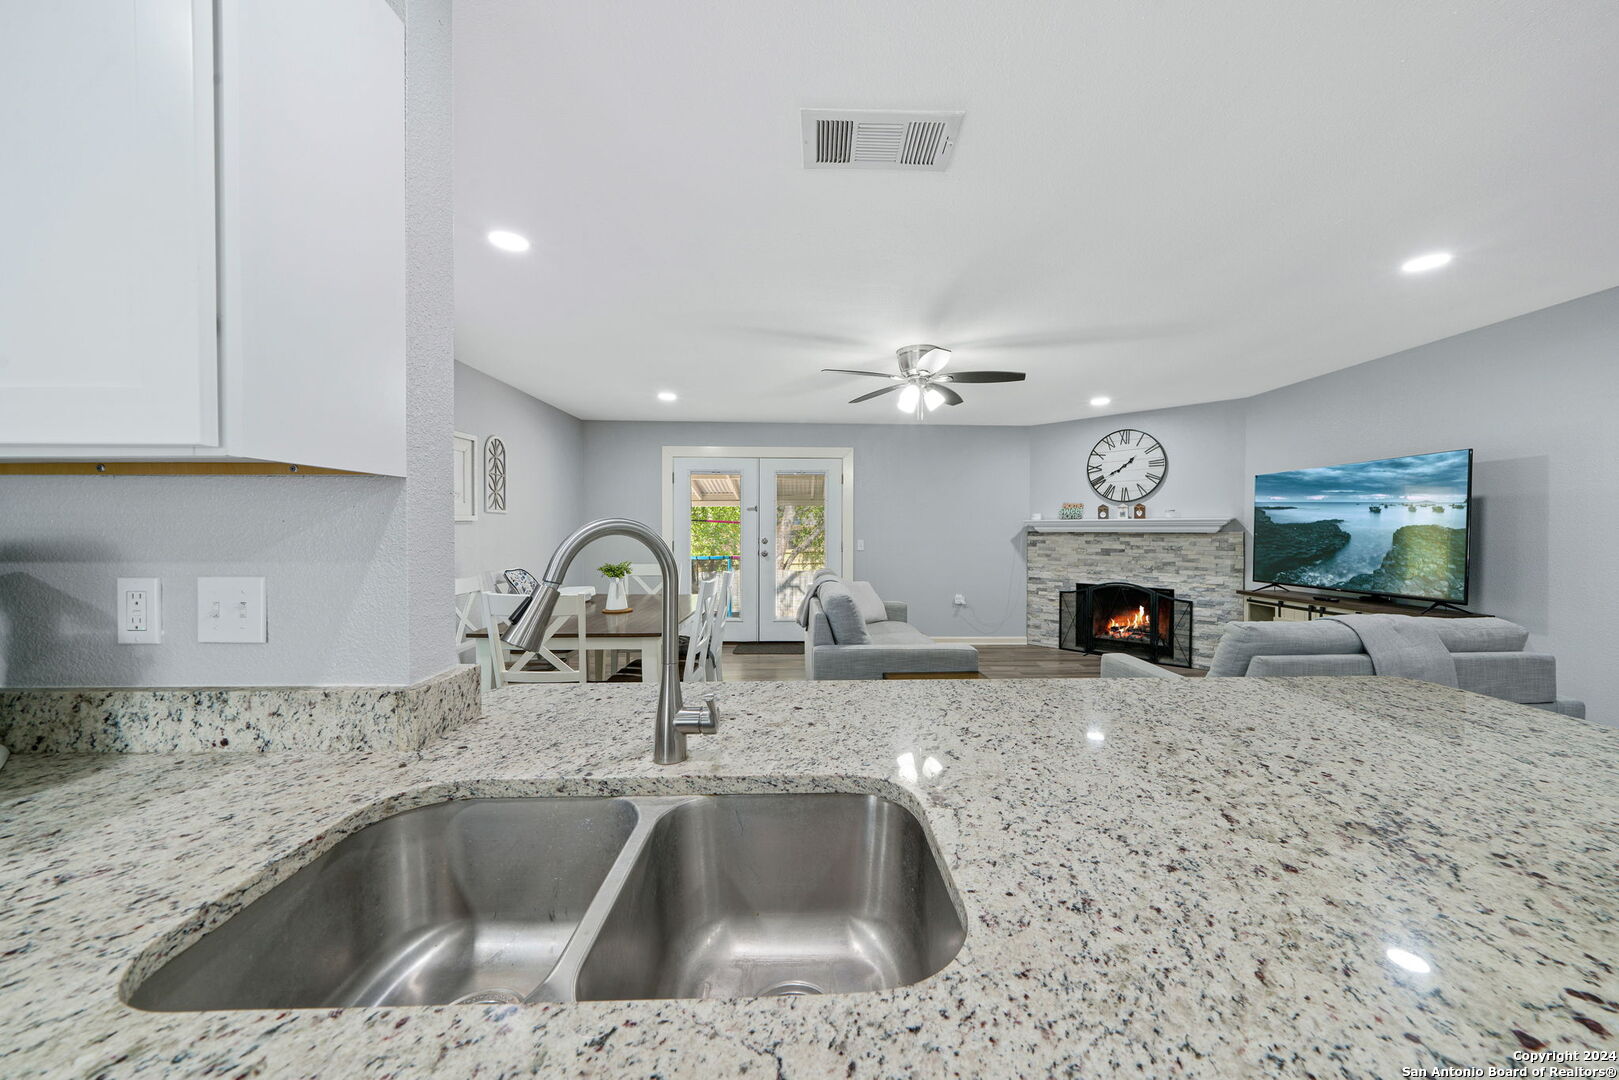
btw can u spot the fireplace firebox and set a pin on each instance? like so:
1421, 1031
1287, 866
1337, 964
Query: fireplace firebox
1120, 616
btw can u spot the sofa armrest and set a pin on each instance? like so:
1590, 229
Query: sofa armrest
1527, 678
1124, 666
875, 661
898, 610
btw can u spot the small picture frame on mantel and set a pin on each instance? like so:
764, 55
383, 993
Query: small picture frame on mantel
1102, 512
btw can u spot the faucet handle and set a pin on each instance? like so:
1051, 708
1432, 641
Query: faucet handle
701, 720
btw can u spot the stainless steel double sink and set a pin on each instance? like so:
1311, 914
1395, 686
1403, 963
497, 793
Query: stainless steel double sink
578, 899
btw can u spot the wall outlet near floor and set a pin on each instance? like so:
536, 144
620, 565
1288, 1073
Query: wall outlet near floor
140, 611
231, 609
960, 601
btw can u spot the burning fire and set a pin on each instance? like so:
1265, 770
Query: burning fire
1130, 626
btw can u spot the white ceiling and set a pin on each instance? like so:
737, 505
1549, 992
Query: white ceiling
1164, 202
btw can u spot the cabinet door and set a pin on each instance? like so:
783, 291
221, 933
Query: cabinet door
107, 278
312, 232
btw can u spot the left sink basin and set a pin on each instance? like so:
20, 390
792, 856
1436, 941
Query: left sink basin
469, 901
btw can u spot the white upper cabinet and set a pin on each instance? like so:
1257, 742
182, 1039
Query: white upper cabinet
107, 279
210, 231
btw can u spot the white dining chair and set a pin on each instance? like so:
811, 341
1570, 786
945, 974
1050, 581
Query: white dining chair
467, 620
701, 623
722, 619
512, 666
647, 577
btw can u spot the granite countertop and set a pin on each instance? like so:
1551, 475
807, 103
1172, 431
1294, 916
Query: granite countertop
1160, 878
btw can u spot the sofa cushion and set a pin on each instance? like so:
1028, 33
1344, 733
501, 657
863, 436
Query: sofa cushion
1481, 635
896, 633
1317, 664
869, 603
1242, 641
843, 614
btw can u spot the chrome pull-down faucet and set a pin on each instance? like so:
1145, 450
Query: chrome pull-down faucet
674, 721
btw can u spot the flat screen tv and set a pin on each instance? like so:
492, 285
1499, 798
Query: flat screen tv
1396, 527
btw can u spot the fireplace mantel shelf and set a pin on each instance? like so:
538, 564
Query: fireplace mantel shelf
1129, 525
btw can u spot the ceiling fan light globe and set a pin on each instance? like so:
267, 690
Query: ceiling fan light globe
932, 398
907, 399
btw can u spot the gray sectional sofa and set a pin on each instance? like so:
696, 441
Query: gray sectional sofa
1488, 655
847, 641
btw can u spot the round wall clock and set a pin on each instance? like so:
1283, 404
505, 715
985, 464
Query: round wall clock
1127, 464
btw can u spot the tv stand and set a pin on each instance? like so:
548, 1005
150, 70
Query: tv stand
1274, 603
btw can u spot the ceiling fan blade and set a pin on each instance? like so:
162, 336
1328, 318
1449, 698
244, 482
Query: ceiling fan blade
949, 395
983, 376
851, 371
876, 393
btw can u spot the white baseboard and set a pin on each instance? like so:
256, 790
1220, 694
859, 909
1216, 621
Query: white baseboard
1019, 640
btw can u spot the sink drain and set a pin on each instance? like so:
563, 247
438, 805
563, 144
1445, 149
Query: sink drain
791, 989
494, 996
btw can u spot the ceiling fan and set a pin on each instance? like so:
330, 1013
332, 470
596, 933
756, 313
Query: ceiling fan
921, 381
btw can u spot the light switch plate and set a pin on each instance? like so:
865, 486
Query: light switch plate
140, 611
231, 609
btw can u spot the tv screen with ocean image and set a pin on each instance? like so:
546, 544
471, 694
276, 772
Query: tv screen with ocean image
1394, 527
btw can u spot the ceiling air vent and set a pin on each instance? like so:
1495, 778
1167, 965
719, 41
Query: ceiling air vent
870, 139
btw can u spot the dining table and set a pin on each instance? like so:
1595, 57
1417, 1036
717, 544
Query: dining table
640, 630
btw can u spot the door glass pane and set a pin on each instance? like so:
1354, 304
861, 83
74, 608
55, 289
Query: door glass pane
716, 529
800, 536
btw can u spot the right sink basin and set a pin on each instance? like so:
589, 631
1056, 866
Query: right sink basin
750, 895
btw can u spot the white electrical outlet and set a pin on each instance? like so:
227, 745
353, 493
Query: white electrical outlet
231, 609
961, 601
140, 611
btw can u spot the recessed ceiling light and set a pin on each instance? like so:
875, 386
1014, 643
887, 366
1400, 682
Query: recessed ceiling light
1100, 401
1410, 961
667, 395
508, 241
1422, 263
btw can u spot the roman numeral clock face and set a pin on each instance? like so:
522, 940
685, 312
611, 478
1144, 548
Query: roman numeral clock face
1127, 465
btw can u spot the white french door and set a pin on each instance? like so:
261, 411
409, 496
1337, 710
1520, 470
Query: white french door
775, 521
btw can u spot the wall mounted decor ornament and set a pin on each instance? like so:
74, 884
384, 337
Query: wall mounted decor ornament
494, 475
1140, 511
1101, 512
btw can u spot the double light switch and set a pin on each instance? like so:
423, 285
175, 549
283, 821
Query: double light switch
231, 609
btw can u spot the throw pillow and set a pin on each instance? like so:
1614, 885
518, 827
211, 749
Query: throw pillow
870, 604
843, 614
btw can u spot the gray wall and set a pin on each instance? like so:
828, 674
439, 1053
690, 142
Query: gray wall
940, 508
545, 458
1535, 398
357, 568
1203, 442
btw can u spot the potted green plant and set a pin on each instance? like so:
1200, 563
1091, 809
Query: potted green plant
618, 599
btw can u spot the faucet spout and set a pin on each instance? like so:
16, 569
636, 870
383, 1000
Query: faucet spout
529, 623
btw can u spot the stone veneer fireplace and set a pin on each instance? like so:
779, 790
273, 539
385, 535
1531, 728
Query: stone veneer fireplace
1203, 566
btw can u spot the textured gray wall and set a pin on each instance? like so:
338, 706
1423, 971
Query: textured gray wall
545, 463
940, 508
358, 569
429, 553
1203, 442
1535, 398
